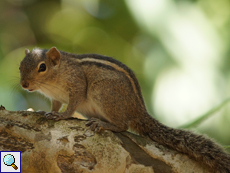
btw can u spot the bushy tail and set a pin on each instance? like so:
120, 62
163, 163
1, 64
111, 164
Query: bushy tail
196, 146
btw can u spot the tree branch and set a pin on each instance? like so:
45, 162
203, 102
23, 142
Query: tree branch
69, 146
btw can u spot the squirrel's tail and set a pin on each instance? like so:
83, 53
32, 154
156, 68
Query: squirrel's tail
196, 146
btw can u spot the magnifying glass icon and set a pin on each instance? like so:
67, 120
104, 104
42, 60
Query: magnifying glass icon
9, 160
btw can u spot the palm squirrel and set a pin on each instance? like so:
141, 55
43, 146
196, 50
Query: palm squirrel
107, 92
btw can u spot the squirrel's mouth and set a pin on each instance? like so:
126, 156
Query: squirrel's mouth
30, 90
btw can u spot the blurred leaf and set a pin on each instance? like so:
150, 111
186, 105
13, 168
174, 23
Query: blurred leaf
205, 116
227, 147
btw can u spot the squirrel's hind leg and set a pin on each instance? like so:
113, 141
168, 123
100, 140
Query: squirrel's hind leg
98, 125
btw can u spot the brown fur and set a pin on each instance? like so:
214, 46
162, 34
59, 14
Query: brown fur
106, 91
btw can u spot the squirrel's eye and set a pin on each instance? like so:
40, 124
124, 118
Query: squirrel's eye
42, 67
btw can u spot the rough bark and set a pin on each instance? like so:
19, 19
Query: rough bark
69, 146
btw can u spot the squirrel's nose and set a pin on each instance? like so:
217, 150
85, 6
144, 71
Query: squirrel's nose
25, 84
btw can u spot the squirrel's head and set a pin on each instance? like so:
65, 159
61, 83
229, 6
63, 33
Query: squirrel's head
38, 67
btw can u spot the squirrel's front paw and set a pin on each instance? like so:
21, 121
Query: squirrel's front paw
53, 115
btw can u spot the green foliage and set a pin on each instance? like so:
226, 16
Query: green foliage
205, 116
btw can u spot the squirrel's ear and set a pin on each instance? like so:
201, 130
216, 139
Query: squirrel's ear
54, 55
27, 51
